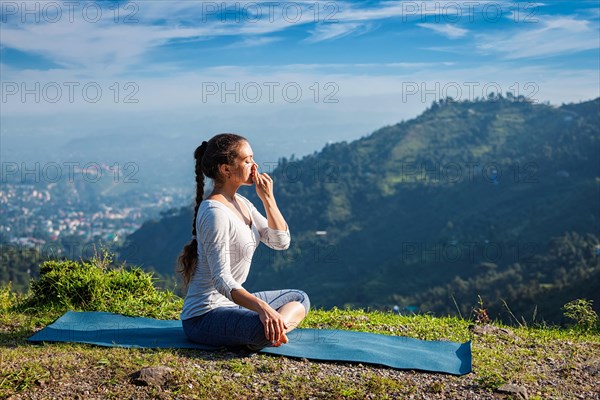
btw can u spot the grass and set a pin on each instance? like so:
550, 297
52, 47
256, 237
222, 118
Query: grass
548, 361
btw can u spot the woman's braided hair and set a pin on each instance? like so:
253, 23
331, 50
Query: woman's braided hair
220, 149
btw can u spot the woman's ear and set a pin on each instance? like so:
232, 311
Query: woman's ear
225, 171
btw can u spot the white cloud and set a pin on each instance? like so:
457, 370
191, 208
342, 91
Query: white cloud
112, 46
107, 46
413, 10
175, 104
336, 31
255, 41
450, 31
567, 24
184, 91
551, 36
99, 52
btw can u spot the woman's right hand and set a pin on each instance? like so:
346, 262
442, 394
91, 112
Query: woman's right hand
272, 321
262, 182
274, 324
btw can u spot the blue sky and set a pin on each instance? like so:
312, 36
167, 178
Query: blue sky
277, 72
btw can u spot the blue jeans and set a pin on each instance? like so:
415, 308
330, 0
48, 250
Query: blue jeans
239, 326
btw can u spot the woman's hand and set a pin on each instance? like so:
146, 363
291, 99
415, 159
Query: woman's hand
275, 326
272, 321
263, 182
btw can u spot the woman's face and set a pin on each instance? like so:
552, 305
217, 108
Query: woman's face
242, 169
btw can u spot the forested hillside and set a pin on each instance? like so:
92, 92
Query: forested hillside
468, 198
497, 197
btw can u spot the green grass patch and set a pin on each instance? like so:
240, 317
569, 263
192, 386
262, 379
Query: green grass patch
522, 355
94, 286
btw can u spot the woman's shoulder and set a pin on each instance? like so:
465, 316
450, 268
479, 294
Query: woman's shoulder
212, 208
244, 199
210, 203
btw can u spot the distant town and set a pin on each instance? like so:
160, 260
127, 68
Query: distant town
43, 214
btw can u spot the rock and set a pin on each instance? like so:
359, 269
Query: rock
518, 392
491, 330
151, 376
592, 369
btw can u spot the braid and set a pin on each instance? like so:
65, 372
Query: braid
188, 259
221, 149
199, 184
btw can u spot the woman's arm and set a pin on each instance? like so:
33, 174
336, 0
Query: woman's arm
274, 217
264, 190
273, 238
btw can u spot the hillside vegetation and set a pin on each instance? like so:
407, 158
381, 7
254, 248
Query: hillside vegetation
496, 197
534, 361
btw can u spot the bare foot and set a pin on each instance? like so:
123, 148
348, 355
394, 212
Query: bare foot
283, 339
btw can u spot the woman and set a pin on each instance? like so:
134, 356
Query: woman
226, 231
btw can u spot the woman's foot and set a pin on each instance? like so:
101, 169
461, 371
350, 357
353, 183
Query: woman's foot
283, 339
254, 348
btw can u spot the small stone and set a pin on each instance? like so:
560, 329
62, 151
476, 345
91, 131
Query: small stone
151, 376
491, 330
518, 391
592, 369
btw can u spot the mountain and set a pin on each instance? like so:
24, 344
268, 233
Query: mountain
463, 189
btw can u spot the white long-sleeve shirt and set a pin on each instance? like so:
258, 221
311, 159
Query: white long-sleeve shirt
225, 249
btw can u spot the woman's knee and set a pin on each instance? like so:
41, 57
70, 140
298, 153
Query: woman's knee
304, 300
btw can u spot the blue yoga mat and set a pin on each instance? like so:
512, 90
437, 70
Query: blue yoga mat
109, 329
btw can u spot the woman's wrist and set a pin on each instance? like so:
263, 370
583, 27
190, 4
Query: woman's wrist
263, 306
269, 202
245, 299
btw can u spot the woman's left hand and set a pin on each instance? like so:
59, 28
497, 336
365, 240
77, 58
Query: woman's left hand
263, 182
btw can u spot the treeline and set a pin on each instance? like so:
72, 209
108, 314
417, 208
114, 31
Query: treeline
18, 265
531, 291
